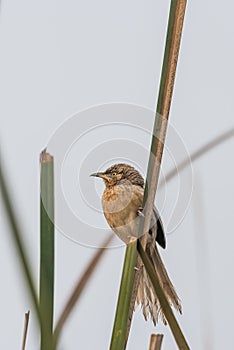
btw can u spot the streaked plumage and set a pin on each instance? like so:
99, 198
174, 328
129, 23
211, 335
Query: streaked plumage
121, 202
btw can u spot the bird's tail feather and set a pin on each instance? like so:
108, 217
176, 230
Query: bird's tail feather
146, 295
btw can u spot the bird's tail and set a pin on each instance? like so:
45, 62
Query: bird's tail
146, 295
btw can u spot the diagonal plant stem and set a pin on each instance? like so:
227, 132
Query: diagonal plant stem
26, 321
81, 284
210, 145
128, 290
175, 328
175, 26
18, 241
79, 289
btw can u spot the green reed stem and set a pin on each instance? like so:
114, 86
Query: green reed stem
129, 284
121, 319
47, 249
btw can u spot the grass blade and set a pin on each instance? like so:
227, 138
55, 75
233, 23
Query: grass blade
78, 289
175, 328
47, 249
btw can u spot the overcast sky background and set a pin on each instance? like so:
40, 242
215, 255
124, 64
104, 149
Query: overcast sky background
58, 58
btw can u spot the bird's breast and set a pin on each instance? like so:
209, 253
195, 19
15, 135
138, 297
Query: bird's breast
120, 205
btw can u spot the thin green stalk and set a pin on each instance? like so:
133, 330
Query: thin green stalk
166, 308
17, 237
174, 32
128, 289
121, 319
47, 249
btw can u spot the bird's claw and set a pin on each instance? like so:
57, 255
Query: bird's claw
139, 212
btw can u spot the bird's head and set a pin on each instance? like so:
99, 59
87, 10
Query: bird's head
120, 173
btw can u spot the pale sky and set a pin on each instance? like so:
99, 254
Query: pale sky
60, 58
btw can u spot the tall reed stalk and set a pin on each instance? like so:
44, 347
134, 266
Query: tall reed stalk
128, 290
47, 249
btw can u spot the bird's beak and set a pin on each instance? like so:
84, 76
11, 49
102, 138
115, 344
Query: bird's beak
102, 175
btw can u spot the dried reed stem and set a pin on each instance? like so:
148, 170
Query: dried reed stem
79, 288
174, 32
26, 321
156, 341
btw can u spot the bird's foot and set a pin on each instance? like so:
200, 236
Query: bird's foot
140, 213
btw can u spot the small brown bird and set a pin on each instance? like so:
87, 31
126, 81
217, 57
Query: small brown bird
122, 206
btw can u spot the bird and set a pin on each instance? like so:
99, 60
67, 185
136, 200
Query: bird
122, 202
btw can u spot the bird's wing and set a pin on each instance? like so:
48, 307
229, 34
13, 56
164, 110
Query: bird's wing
157, 228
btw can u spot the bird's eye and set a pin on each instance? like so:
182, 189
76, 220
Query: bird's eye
114, 174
